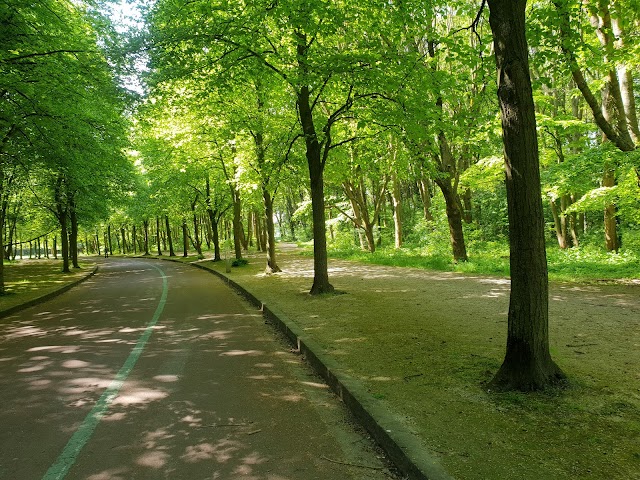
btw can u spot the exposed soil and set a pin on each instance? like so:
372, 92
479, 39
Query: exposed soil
425, 343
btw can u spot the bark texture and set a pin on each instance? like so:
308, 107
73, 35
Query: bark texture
527, 364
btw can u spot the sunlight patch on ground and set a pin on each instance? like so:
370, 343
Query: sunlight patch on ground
75, 364
111, 474
322, 386
57, 349
81, 385
26, 331
237, 353
166, 378
139, 396
155, 459
264, 365
222, 451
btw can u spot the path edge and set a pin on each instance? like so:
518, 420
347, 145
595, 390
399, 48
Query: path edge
404, 448
48, 296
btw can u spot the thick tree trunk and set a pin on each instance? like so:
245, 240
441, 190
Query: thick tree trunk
73, 236
272, 265
158, 244
215, 233
558, 225
214, 218
315, 161
123, 235
65, 243
454, 218
316, 182
196, 231
62, 215
185, 239
109, 242
2, 216
238, 231
397, 210
255, 230
145, 224
169, 238
527, 364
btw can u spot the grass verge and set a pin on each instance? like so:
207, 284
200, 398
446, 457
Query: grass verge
424, 343
27, 280
584, 265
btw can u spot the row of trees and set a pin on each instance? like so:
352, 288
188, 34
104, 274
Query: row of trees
62, 125
273, 91
357, 111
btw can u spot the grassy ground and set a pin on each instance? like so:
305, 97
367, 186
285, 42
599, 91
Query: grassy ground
424, 343
583, 265
28, 279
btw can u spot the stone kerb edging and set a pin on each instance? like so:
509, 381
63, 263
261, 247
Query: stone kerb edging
403, 447
47, 296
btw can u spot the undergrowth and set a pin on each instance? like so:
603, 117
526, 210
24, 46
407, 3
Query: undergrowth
583, 264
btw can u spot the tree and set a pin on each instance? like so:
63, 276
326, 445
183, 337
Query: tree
527, 364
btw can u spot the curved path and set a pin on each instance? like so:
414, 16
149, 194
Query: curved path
156, 370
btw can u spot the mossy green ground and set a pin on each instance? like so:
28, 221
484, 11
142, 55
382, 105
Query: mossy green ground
26, 280
424, 343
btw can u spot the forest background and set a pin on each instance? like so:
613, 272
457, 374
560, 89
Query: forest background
363, 130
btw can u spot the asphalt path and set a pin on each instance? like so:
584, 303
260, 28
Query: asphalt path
157, 370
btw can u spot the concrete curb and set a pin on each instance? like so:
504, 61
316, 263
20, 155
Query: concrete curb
403, 447
47, 296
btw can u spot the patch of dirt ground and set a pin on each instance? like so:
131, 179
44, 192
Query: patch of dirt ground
424, 343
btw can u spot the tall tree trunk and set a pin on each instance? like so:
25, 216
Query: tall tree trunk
109, 242
169, 239
196, 230
61, 208
123, 236
527, 364
316, 164
272, 265
558, 224
145, 224
454, 218
185, 238
73, 234
397, 210
216, 237
2, 214
158, 235
65, 243
238, 231
214, 219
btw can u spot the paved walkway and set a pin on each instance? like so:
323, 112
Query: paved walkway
156, 370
